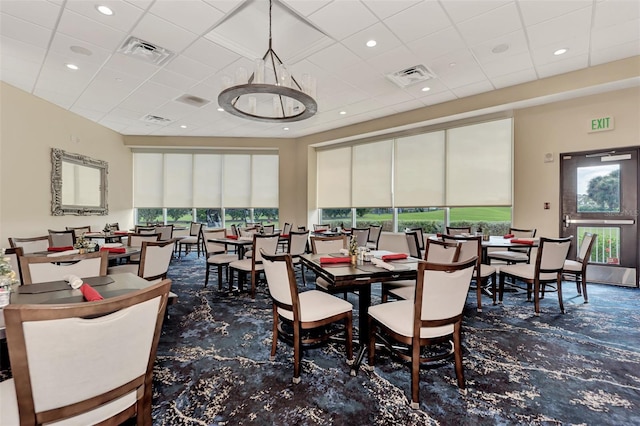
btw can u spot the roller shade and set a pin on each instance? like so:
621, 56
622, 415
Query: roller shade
334, 178
372, 174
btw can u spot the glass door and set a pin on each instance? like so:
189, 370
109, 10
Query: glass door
599, 192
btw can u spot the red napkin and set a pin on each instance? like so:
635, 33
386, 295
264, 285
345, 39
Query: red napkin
232, 237
335, 260
63, 248
114, 249
284, 235
89, 293
517, 241
395, 256
121, 232
509, 236
439, 234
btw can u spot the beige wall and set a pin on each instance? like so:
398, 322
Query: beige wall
29, 128
562, 127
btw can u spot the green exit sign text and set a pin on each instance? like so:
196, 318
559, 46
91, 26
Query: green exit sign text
601, 124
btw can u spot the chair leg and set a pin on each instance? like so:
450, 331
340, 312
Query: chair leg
206, 275
220, 277
501, 288
583, 281
297, 358
274, 343
578, 289
372, 342
493, 287
479, 293
457, 353
349, 325
536, 295
304, 279
560, 293
415, 374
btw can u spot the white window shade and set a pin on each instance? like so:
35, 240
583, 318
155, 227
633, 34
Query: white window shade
264, 181
334, 178
372, 172
419, 170
148, 180
478, 165
207, 180
236, 185
178, 180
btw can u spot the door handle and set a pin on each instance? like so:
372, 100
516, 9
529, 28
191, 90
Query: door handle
566, 220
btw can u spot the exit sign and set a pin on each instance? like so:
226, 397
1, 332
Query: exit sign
601, 124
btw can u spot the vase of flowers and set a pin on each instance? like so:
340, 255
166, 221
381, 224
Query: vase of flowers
353, 250
7, 280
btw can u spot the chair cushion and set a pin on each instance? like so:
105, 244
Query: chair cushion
322, 283
572, 266
526, 272
8, 404
189, 240
121, 269
487, 270
400, 283
221, 259
509, 256
245, 265
317, 305
398, 316
406, 292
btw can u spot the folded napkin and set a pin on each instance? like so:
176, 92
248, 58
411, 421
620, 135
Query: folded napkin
284, 235
394, 256
335, 260
522, 241
382, 264
111, 245
232, 237
509, 236
89, 293
121, 232
64, 253
439, 235
344, 251
114, 249
74, 281
61, 248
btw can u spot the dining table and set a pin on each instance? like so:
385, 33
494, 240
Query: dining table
240, 244
359, 277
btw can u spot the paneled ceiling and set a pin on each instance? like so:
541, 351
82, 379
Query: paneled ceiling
470, 46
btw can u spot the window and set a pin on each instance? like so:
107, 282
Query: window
492, 220
375, 216
430, 219
337, 217
179, 216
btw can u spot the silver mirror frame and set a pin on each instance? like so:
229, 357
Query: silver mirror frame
58, 156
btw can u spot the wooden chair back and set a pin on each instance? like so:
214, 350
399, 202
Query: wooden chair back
30, 245
62, 238
39, 269
155, 259
324, 245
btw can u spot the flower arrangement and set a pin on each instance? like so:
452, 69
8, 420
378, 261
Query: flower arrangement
85, 244
353, 246
7, 279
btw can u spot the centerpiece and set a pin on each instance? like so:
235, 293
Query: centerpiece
7, 279
353, 249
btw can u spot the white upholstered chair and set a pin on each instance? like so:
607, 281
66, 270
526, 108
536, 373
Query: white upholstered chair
374, 236
311, 309
39, 269
217, 255
515, 254
297, 243
30, 245
103, 375
433, 315
194, 239
326, 245
578, 268
136, 240
268, 243
62, 238
548, 267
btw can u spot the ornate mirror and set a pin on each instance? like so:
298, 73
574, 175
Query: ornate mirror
78, 184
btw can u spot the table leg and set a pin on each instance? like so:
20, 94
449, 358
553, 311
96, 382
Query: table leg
364, 301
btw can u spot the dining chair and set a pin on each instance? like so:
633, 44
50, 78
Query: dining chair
457, 230
78, 231
217, 255
141, 229
103, 375
154, 260
284, 237
472, 247
327, 245
361, 235
62, 238
31, 244
194, 239
548, 267
375, 231
39, 269
267, 243
432, 316
165, 231
421, 239
578, 268
234, 230
309, 310
514, 254
269, 228
136, 240
436, 251
14, 254
297, 244
321, 227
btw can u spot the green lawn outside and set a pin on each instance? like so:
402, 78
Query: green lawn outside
469, 214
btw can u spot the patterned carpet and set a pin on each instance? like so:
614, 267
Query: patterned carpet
583, 367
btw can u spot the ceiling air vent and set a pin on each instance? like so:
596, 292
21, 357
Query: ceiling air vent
193, 100
145, 51
412, 75
155, 119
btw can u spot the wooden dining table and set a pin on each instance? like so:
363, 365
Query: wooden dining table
348, 277
240, 244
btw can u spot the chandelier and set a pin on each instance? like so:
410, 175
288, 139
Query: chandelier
269, 98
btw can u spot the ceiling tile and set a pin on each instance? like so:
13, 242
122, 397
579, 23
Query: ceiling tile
437, 44
564, 66
614, 53
14, 72
507, 65
385, 39
125, 15
497, 22
385, 8
334, 58
625, 32
131, 65
438, 98
417, 21
62, 99
304, 7
189, 68
576, 46
22, 52
461, 10
192, 15
613, 12
62, 44
571, 25
38, 12
536, 11
211, 54
341, 19
24, 31
172, 79
163, 33
515, 41
93, 32
395, 60
512, 79
472, 89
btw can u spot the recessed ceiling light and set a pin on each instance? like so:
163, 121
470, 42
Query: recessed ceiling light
81, 50
343, 112
560, 51
371, 43
220, 109
72, 66
500, 48
104, 10
285, 128
183, 126
426, 89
